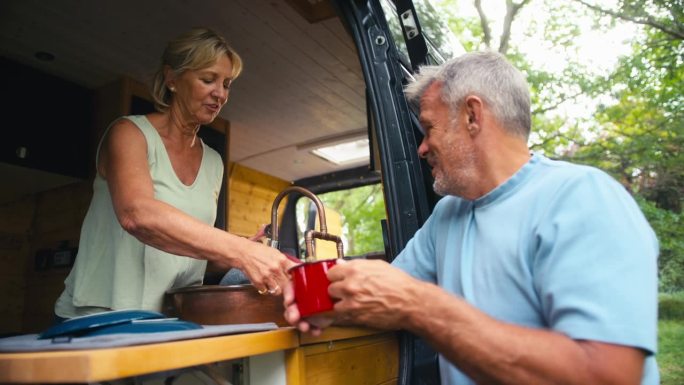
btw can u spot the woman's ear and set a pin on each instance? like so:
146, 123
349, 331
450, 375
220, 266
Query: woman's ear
169, 78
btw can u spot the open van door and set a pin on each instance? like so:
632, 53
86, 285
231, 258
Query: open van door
394, 128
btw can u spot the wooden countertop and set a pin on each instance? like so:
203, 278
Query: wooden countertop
112, 363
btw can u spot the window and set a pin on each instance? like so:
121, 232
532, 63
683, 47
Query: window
441, 42
395, 28
353, 214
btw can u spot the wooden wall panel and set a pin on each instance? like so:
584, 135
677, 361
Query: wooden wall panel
15, 225
57, 223
327, 249
251, 195
42, 290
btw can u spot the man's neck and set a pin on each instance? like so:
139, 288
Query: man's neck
501, 156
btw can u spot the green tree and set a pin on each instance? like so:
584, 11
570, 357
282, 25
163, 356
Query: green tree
666, 16
643, 131
636, 133
669, 227
549, 90
361, 208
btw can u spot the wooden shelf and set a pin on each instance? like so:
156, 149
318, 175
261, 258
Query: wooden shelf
114, 363
308, 360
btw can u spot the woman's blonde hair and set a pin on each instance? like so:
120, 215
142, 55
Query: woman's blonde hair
196, 49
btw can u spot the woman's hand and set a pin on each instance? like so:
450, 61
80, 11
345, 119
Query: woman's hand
265, 266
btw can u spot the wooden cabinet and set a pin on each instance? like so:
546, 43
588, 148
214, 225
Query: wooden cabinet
336, 359
46, 121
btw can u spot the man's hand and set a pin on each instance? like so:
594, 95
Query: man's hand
365, 292
373, 293
314, 324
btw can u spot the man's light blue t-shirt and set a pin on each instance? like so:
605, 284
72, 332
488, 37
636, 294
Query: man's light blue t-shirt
557, 246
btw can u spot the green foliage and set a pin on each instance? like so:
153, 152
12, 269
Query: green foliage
671, 352
561, 30
666, 16
671, 306
362, 209
467, 30
470, 32
669, 227
643, 132
637, 133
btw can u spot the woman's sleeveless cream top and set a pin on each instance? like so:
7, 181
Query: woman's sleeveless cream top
113, 269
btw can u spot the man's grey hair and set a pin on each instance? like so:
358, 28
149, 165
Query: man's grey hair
487, 75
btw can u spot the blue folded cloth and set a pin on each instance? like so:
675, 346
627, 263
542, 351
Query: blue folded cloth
234, 277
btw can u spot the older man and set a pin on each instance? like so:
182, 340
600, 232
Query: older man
529, 270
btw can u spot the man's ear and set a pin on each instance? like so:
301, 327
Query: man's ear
473, 109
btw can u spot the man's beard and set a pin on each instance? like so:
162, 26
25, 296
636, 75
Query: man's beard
460, 173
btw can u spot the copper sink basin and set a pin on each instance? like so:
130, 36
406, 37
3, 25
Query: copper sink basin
241, 304
221, 305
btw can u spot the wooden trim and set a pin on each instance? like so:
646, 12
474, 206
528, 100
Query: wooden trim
337, 333
226, 177
108, 364
331, 345
295, 369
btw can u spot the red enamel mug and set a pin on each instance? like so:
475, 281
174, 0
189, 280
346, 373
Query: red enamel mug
311, 283
310, 279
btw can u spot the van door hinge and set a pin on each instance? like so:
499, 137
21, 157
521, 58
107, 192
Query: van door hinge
408, 22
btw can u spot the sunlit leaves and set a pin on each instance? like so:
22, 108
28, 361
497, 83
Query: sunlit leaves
362, 209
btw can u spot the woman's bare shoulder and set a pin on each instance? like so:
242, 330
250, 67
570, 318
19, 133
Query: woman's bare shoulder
124, 129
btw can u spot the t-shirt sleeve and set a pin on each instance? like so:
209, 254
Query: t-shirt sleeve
595, 266
418, 257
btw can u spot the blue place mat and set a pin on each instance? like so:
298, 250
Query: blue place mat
31, 343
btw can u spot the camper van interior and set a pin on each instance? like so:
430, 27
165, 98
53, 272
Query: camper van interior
74, 66
307, 110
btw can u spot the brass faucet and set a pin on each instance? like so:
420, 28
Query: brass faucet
309, 236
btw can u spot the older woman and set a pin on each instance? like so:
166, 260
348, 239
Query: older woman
149, 225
